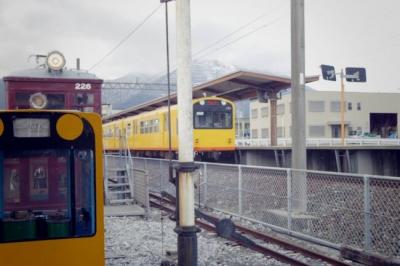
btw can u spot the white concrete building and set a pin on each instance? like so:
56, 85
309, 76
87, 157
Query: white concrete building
366, 115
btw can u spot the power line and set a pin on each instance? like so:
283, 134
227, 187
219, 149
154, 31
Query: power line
126, 37
222, 39
243, 36
230, 34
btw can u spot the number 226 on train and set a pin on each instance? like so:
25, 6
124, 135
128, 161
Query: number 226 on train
51, 189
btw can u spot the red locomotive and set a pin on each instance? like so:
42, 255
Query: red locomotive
54, 87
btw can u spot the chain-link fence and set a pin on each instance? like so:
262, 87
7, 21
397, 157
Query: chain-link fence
332, 208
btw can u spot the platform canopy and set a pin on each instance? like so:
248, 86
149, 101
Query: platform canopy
236, 86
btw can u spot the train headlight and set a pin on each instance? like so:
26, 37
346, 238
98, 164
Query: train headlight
38, 100
202, 102
223, 103
69, 127
55, 60
1, 127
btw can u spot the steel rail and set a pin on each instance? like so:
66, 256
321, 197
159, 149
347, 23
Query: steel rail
261, 249
270, 238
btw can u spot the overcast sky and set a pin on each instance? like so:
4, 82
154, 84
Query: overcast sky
341, 33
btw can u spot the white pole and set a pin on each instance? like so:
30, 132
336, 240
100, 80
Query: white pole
185, 110
187, 240
299, 152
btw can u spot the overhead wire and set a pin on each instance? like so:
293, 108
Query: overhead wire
242, 36
229, 35
134, 30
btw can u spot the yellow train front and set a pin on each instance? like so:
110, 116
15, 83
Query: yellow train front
147, 133
51, 189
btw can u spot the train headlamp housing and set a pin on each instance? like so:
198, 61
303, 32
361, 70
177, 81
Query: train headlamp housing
38, 100
55, 61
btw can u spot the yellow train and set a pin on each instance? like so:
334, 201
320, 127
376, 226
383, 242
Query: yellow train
51, 188
146, 134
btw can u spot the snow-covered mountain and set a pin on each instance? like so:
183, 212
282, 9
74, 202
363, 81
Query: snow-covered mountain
202, 71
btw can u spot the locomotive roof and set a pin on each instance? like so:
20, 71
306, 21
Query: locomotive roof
45, 74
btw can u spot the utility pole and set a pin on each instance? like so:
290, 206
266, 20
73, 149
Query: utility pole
342, 107
299, 152
186, 229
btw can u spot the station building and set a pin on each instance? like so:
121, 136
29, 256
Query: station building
367, 114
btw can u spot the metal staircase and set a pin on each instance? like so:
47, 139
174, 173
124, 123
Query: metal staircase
118, 181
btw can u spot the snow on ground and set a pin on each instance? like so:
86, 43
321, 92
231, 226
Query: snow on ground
137, 241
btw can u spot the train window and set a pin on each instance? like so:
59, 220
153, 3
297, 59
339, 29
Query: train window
84, 98
165, 121
55, 204
129, 129
211, 115
156, 125
135, 127
222, 120
54, 101
203, 119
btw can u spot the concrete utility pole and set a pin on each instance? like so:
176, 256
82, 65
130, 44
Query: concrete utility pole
342, 107
299, 152
187, 239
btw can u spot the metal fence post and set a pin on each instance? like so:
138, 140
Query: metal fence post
240, 190
161, 179
367, 214
205, 184
289, 197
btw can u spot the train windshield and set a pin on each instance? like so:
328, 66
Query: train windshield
212, 114
46, 194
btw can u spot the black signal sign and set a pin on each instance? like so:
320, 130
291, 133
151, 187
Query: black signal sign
328, 72
356, 74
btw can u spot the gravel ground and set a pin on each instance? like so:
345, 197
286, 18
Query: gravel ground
136, 241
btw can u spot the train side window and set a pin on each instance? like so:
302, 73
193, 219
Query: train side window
156, 125
129, 129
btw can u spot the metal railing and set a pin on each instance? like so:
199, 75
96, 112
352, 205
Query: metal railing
138, 179
287, 142
326, 207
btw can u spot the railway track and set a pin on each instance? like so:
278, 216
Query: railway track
167, 203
